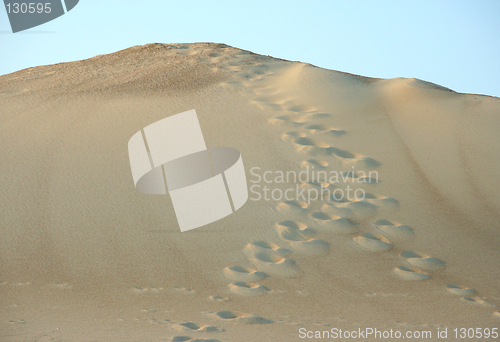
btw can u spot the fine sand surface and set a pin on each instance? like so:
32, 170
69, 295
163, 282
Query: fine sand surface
86, 257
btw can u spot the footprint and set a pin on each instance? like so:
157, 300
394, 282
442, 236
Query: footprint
355, 209
269, 258
181, 338
267, 247
315, 148
292, 206
372, 242
318, 116
393, 230
291, 120
291, 136
155, 321
190, 326
477, 300
296, 226
300, 238
313, 184
410, 274
364, 163
336, 209
361, 209
243, 318
335, 224
225, 314
218, 299
313, 163
187, 338
334, 151
318, 128
304, 142
423, 262
381, 201
251, 319
239, 273
273, 264
245, 289
460, 290
322, 217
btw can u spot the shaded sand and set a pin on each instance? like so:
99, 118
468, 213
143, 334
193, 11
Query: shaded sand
85, 257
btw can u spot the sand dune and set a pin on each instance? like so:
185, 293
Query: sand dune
85, 257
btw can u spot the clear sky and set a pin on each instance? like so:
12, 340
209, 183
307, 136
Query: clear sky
455, 44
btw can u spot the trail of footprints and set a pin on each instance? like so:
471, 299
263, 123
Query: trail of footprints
336, 216
227, 316
306, 129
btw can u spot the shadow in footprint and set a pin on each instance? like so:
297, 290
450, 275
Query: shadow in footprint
245, 289
372, 242
393, 230
423, 262
242, 318
410, 274
300, 238
460, 290
240, 273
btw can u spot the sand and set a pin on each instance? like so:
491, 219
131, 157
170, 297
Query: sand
86, 257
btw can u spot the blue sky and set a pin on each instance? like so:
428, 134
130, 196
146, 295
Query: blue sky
452, 43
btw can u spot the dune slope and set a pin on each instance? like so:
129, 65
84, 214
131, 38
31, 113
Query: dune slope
84, 256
